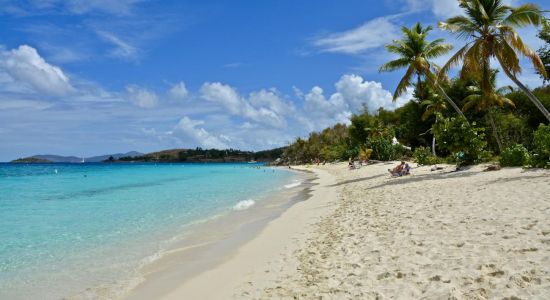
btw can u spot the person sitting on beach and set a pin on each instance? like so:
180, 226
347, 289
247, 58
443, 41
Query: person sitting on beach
406, 170
400, 170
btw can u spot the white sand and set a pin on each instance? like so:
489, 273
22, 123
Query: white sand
362, 234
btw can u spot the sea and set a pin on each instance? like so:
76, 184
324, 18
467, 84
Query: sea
70, 228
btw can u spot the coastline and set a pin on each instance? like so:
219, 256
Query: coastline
203, 243
245, 252
362, 234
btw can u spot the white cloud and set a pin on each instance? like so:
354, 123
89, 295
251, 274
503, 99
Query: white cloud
142, 97
27, 67
358, 92
122, 48
442, 8
373, 34
178, 91
270, 99
233, 65
320, 112
261, 107
189, 130
22, 104
352, 94
119, 7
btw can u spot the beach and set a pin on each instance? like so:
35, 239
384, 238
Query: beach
363, 235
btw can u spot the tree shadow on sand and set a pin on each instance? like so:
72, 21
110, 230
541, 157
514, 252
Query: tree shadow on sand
511, 179
424, 177
357, 180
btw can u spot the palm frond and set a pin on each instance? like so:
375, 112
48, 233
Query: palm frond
461, 26
435, 50
453, 61
506, 101
481, 11
517, 44
404, 83
472, 60
526, 14
426, 102
397, 49
394, 65
471, 101
505, 89
507, 57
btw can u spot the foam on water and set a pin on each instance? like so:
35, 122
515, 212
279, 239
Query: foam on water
293, 185
94, 225
245, 204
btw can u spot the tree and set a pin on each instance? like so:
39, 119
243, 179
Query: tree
489, 28
415, 54
481, 100
544, 51
433, 105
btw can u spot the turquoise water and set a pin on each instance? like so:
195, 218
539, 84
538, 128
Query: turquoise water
67, 227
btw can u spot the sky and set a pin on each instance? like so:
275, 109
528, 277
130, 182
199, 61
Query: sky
91, 77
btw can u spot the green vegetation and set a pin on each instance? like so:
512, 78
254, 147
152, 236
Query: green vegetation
31, 160
541, 149
206, 155
465, 141
516, 155
489, 29
415, 54
423, 156
432, 123
544, 51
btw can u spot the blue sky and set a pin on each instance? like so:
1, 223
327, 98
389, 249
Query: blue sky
91, 77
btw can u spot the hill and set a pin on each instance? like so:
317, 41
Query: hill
206, 155
32, 160
50, 158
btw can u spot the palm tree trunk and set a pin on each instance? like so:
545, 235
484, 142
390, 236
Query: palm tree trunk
433, 146
530, 95
494, 127
451, 102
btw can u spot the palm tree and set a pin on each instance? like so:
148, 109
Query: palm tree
481, 100
489, 27
415, 54
434, 104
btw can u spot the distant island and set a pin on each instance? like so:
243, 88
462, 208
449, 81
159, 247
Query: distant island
172, 155
50, 158
31, 160
206, 155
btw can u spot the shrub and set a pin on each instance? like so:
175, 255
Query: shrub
465, 141
541, 147
516, 155
334, 152
423, 156
383, 148
364, 153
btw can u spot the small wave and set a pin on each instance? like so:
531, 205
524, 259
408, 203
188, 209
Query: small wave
293, 185
245, 204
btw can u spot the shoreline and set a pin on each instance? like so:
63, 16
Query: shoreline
210, 243
219, 235
363, 234
240, 254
